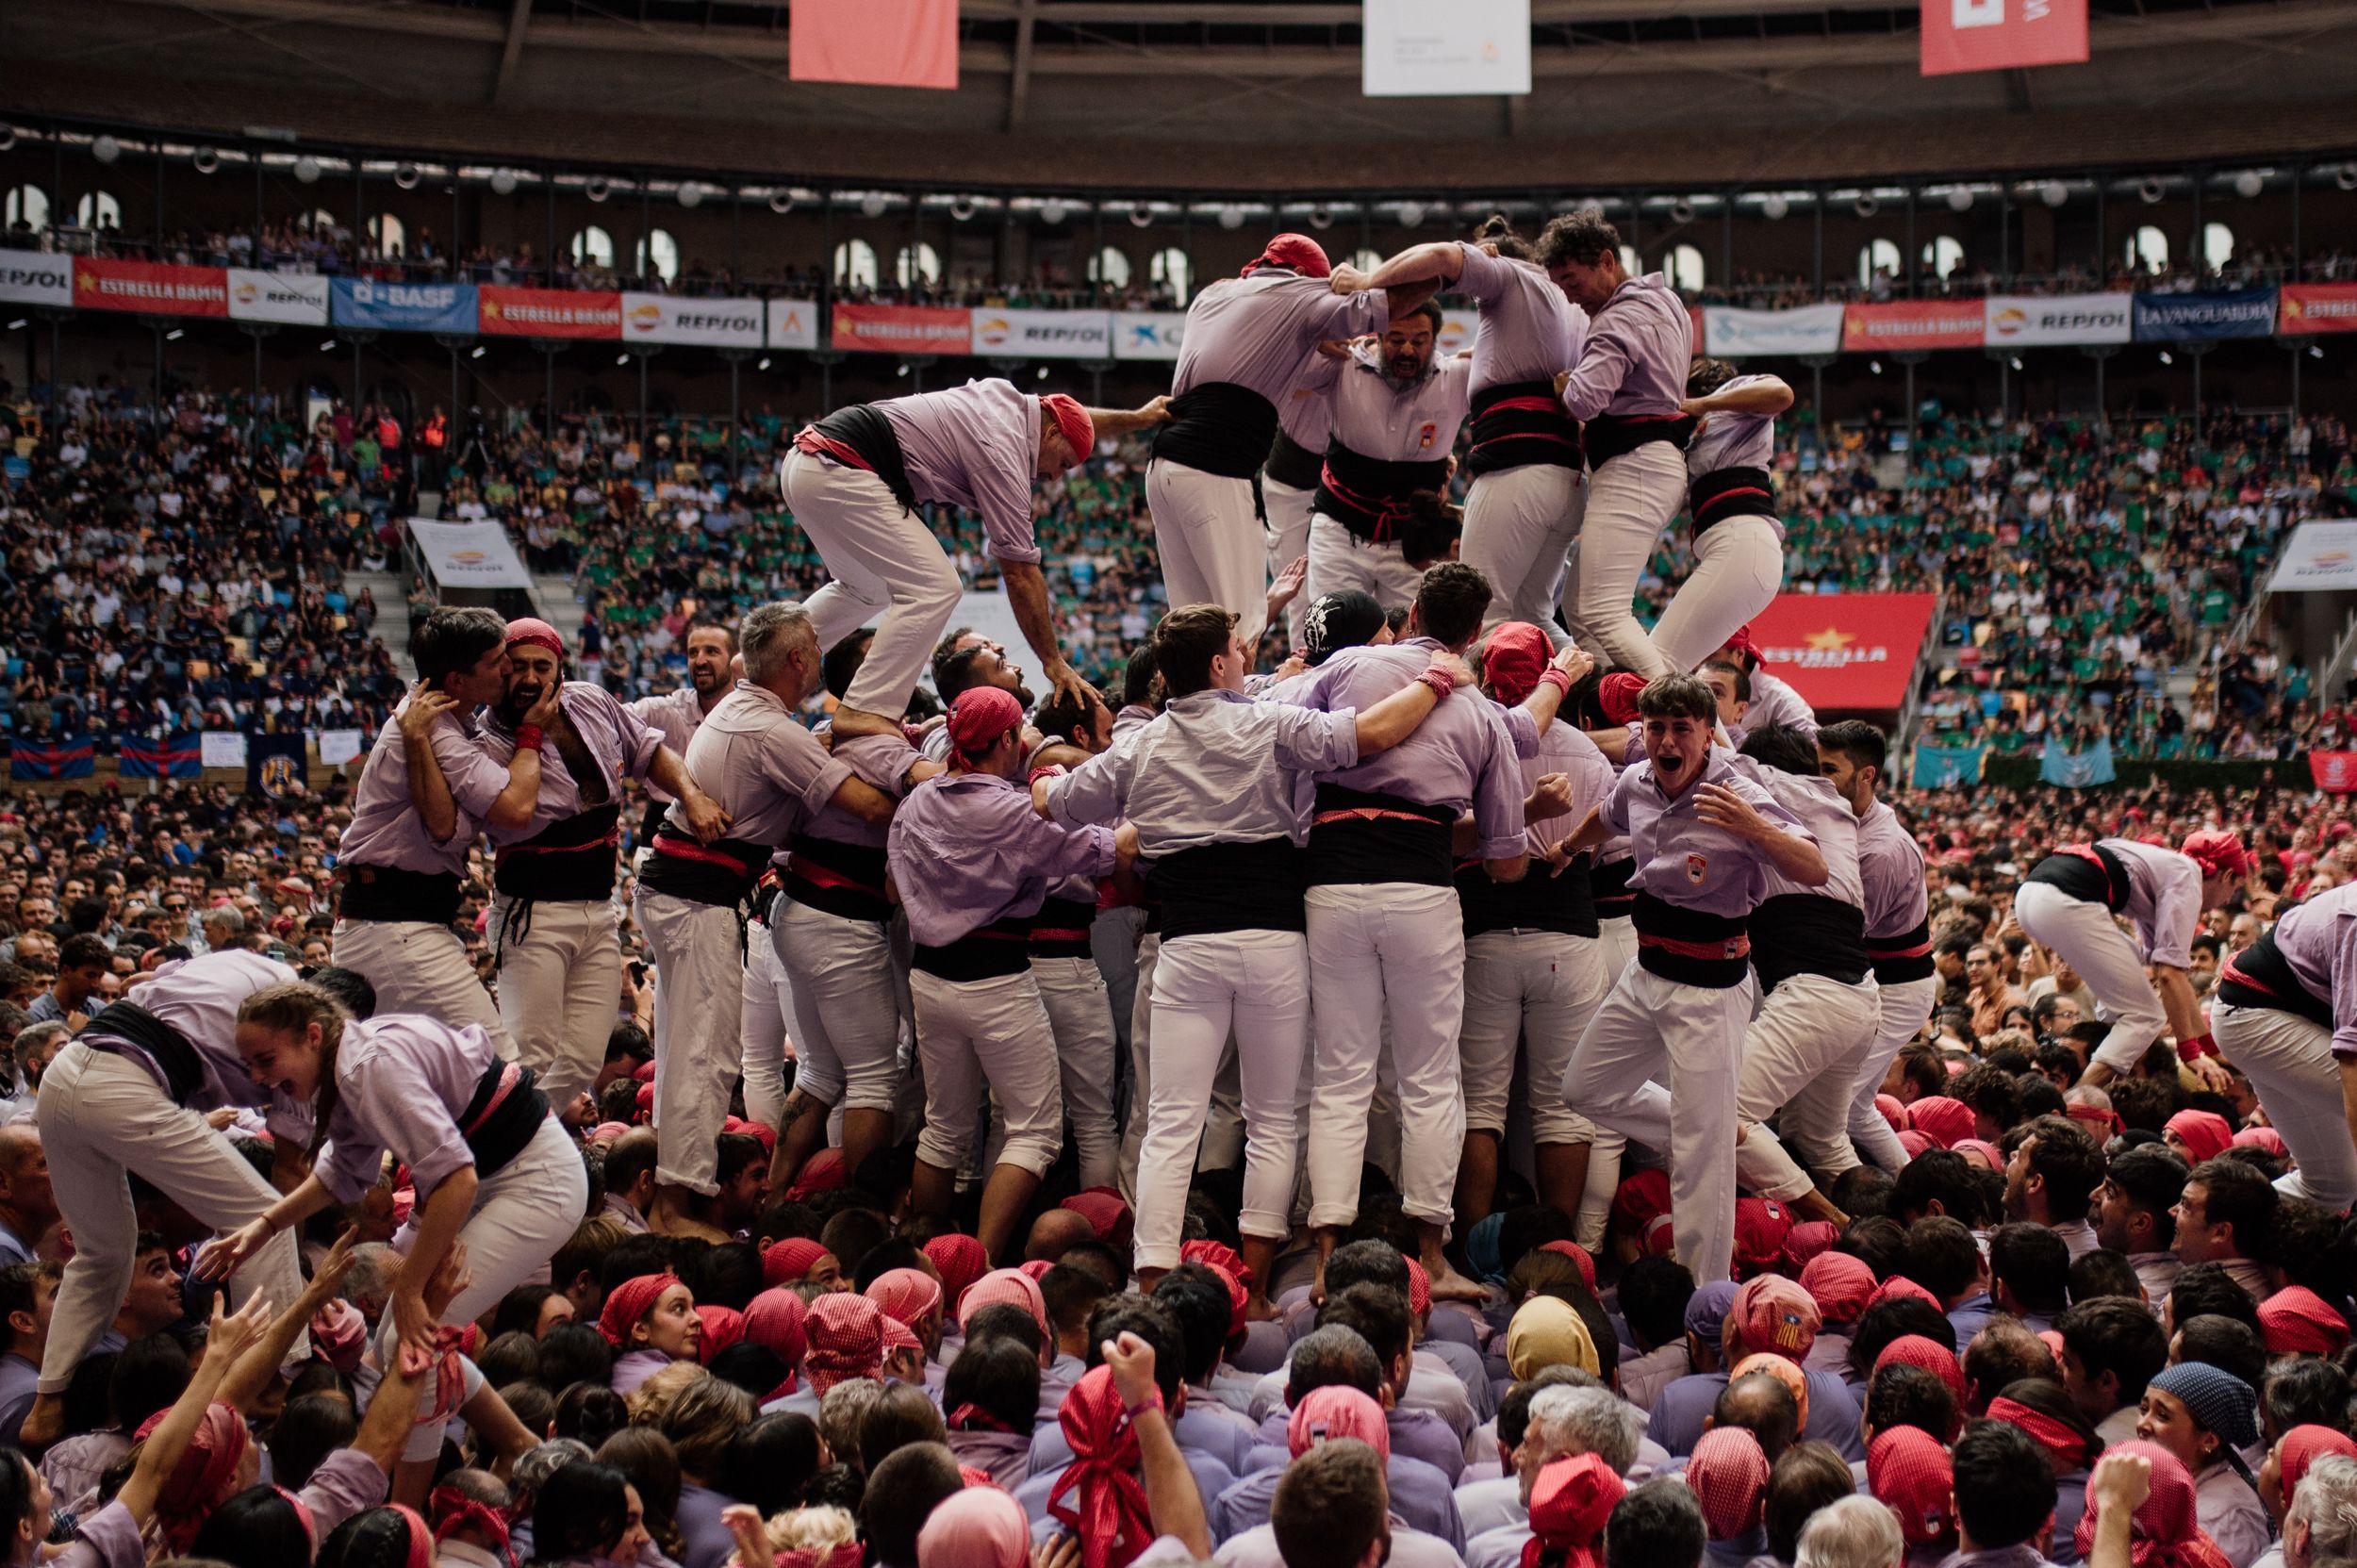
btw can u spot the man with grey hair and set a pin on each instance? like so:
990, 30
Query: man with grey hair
223, 926
531, 1474
1852, 1532
1565, 1422
2321, 1524
769, 776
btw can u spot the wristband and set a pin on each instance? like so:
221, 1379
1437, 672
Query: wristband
2201, 1045
1439, 680
1053, 771
1551, 676
528, 737
1152, 1402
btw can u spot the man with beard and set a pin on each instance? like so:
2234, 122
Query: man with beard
853, 481
423, 792
675, 714
1395, 418
1702, 837
559, 960
770, 776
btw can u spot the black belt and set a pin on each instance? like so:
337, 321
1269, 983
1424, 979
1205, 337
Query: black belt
2088, 872
1905, 957
1519, 424
182, 1069
1726, 493
1691, 947
2259, 975
1219, 427
1369, 496
1608, 885
1221, 887
1360, 837
570, 861
502, 1117
1291, 463
1538, 902
1002, 948
1610, 435
388, 893
1807, 934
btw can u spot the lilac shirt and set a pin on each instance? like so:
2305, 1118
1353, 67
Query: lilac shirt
347, 1482
1421, 1496
1684, 861
108, 1539
1569, 752
1775, 701
966, 849
1529, 330
2319, 939
1891, 865
763, 769
2164, 899
620, 743
975, 446
1255, 331
400, 1083
387, 829
1461, 756
200, 997
1636, 355
1376, 416
1820, 808
674, 717
882, 760
1305, 414
1733, 441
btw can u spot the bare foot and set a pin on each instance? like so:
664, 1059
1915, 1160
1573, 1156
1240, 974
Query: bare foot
1449, 1285
1260, 1308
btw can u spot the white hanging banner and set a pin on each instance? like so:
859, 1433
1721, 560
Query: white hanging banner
36, 277
338, 747
712, 324
1041, 334
1444, 48
1811, 329
793, 324
223, 749
298, 299
1148, 334
470, 554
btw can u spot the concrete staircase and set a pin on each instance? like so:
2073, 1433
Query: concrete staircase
560, 607
392, 610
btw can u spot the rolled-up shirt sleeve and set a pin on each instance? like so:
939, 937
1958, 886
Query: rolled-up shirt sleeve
1098, 790
1604, 364
475, 781
802, 768
2344, 965
2176, 915
1311, 741
385, 1089
1498, 800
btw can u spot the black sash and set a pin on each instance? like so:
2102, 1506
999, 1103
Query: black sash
570, 861
721, 873
1519, 424
863, 428
1726, 493
387, 893
2088, 872
1220, 428
1217, 887
1608, 885
1806, 934
1902, 958
841, 879
1060, 928
1538, 902
182, 1069
2259, 975
1691, 947
1002, 948
1291, 463
1368, 496
497, 1128
1359, 836
1610, 435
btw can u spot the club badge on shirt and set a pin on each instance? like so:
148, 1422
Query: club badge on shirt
1697, 867
1431, 433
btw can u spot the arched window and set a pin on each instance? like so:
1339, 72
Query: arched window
1170, 267
923, 265
388, 235
855, 265
1685, 266
1880, 255
1109, 267
593, 247
2148, 251
1943, 255
658, 256
321, 222
2217, 246
27, 205
99, 210
1630, 262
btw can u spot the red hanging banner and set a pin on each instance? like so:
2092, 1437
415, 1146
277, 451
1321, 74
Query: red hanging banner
874, 43
1999, 35
154, 287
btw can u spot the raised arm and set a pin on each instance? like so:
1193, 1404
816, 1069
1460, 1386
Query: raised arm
705, 818
1759, 394
429, 791
246, 1380
1121, 421
1027, 595
160, 1454
1443, 259
1172, 1502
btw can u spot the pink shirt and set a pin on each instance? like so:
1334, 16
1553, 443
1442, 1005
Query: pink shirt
1636, 357
200, 997
1891, 865
1529, 330
621, 744
766, 770
975, 446
966, 849
1256, 331
385, 828
674, 717
2164, 899
1375, 417
400, 1083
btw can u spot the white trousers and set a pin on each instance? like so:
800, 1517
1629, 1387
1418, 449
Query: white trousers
1540, 988
994, 1031
1378, 953
1288, 512
764, 1025
1631, 499
1340, 560
559, 986
1212, 545
698, 1035
1081, 1019
418, 966
1801, 1055
1249, 981
1140, 1062
847, 1006
1900, 1009
2088, 938
1693, 1036
1618, 937
2289, 1062
1519, 528
879, 556
1739, 566
100, 1116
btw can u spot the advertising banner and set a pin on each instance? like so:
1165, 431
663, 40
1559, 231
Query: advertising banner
2306, 308
2211, 314
468, 555
1845, 651
2020, 320
510, 312
1043, 334
1999, 35
2319, 557
152, 288
793, 324
712, 324
298, 299
1148, 334
1458, 328
904, 328
402, 306
1913, 324
36, 277
1417, 49
1731, 334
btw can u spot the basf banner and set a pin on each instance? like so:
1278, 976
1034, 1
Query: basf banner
2321, 556
1845, 652
1001, 333
447, 307
1998, 35
297, 299
1148, 334
36, 277
1414, 48
2017, 320
154, 287
793, 324
904, 328
1733, 334
710, 323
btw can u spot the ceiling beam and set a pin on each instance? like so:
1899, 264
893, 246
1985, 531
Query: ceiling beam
1019, 79
512, 50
